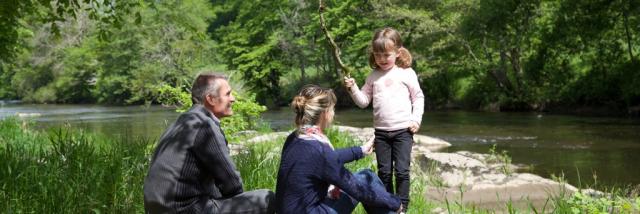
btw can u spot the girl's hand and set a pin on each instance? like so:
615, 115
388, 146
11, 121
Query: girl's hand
367, 148
413, 128
349, 82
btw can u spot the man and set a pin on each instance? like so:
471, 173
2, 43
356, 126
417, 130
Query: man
191, 170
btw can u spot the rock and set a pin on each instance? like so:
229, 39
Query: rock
431, 143
468, 180
235, 149
267, 137
422, 142
495, 197
446, 161
32, 114
438, 210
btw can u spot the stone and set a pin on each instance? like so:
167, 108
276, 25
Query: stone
267, 137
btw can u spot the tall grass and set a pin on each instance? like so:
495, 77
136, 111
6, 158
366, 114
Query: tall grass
69, 171
72, 171
259, 168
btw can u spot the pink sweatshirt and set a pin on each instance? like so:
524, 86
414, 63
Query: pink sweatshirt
397, 98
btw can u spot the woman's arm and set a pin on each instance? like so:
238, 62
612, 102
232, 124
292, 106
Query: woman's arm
346, 155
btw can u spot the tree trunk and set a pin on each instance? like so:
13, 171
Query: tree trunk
303, 64
626, 28
517, 68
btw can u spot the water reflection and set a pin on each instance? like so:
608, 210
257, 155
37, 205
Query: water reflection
578, 147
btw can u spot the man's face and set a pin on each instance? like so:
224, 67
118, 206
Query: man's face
221, 105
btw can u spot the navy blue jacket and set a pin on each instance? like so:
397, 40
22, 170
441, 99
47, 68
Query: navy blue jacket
307, 167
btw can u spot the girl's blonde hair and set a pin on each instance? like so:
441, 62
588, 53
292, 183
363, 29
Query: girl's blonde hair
388, 39
310, 103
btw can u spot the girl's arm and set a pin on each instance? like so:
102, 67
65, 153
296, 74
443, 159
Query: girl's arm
363, 97
416, 96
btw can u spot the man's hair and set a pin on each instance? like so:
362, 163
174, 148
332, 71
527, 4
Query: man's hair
206, 84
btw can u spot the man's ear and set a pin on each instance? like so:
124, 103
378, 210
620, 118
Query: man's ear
209, 99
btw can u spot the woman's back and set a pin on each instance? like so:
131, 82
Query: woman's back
300, 187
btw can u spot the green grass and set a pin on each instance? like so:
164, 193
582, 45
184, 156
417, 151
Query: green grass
72, 171
66, 171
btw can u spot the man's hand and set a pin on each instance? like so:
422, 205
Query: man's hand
349, 82
414, 127
367, 148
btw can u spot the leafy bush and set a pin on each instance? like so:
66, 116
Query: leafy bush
246, 112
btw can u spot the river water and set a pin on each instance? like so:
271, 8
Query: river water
588, 151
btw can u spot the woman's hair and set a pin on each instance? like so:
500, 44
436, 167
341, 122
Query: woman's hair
206, 84
385, 40
310, 103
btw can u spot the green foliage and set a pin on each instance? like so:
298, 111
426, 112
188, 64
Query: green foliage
246, 115
246, 112
500, 157
507, 55
583, 203
160, 43
172, 96
69, 171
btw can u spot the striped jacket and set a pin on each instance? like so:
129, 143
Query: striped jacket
190, 166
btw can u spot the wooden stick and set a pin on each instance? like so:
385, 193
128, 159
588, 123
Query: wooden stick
336, 50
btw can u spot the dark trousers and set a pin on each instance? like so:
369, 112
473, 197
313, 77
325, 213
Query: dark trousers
393, 153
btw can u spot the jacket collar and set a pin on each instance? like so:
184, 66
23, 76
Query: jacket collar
199, 108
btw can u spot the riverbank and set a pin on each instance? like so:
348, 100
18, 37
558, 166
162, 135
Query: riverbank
467, 182
67, 170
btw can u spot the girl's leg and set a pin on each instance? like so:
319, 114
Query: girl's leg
383, 157
402, 158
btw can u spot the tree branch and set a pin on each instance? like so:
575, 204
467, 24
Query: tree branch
336, 50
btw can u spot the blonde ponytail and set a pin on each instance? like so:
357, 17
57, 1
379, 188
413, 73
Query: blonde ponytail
404, 58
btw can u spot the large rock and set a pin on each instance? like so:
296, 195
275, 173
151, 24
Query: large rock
267, 137
422, 143
471, 179
430, 143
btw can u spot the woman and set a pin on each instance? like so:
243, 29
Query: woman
312, 177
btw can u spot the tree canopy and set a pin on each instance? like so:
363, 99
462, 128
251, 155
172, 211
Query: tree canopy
479, 54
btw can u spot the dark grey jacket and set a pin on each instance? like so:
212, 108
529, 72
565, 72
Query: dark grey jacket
190, 166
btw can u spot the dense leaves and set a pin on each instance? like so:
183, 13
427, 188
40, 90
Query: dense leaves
479, 54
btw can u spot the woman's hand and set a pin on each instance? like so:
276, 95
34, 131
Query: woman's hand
367, 148
401, 209
349, 82
413, 128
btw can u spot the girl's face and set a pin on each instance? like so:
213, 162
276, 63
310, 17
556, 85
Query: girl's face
385, 60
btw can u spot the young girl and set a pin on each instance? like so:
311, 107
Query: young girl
398, 104
309, 165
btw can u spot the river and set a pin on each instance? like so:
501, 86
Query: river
587, 150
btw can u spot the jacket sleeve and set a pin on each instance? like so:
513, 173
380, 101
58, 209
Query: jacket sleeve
346, 155
335, 173
213, 152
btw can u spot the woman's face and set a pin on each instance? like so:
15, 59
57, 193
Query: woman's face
327, 118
